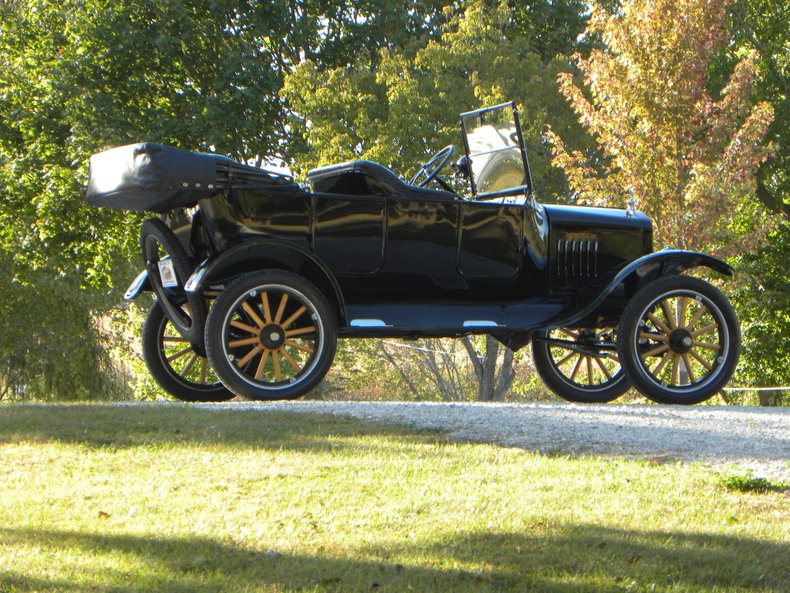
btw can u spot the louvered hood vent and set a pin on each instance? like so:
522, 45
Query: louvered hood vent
577, 260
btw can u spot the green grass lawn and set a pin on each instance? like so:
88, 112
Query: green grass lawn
179, 499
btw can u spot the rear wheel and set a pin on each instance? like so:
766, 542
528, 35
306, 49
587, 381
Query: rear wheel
271, 335
580, 365
679, 340
177, 367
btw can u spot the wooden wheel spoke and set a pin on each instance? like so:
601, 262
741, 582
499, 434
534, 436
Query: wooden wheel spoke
250, 355
291, 360
589, 370
262, 365
689, 370
179, 354
253, 313
302, 347
189, 365
577, 367
662, 363
602, 366
668, 314
701, 360
178, 339
278, 374
656, 350
294, 317
243, 326
654, 337
281, 308
566, 358
705, 330
675, 369
697, 316
267, 312
705, 345
290, 333
203, 370
659, 324
569, 333
243, 342
684, 302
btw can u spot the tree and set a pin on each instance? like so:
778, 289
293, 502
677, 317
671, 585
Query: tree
763, 27
403, 104
762, 299
690, 160
79, 77
452, 370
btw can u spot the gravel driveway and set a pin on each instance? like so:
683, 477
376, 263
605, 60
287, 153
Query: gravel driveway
734, 438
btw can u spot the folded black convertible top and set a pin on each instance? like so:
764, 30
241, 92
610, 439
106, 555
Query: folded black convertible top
160, 178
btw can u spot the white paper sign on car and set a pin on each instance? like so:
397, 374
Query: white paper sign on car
167, 273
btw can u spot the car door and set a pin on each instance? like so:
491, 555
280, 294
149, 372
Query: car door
491, 238
348, 225
421, 243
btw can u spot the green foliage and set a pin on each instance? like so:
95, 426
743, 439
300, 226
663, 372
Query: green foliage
762, 300
317, 82
79, 77
750, 483
763, 27
689, 160
404, 105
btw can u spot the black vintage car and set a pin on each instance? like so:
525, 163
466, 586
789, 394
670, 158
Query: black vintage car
256, 276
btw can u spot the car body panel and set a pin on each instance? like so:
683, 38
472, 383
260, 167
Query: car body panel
396, 259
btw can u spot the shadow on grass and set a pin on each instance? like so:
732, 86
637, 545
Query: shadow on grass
557, 561
118, 427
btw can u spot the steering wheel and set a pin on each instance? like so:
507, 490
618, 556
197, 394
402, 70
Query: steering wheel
431, 169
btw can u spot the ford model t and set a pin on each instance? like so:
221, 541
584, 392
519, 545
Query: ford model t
256, 276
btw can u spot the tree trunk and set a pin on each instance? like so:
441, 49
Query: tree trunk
770, 398
492, 385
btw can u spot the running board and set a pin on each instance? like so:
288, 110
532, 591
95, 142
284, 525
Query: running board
444, 319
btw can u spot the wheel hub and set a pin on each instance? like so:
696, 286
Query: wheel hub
681, 341
272, 336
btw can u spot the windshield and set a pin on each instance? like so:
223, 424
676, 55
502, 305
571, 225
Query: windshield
496, 151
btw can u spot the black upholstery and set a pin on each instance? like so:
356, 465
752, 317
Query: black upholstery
382, 175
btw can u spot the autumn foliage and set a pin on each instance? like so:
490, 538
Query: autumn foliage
688, 155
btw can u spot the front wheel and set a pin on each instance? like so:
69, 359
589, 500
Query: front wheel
679, 340
580, 365
271, 335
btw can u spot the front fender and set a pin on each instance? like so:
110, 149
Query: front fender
643, 270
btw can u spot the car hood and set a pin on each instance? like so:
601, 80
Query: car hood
596, 217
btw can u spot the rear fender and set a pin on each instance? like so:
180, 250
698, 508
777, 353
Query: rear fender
640, 272
262, 254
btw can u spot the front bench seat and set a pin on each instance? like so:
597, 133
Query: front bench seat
382, 175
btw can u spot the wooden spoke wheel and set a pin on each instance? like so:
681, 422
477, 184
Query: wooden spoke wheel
271, 335
162, 252
679, 340
177, 367
580, 365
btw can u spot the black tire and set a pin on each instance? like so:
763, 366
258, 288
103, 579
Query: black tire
173, 362
249, 341
157, 243
679, 340
580, 365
